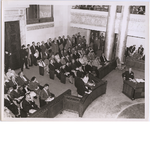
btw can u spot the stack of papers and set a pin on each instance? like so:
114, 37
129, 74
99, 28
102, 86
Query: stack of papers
139, 80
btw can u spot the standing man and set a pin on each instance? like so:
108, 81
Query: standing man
33, 50
30, 58
39, 50
43, 50
63, 41
23, 57
45, 95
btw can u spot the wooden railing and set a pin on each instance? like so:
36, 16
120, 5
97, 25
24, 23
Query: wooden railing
103, 71
52, 109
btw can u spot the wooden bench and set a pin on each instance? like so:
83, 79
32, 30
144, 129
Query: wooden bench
53, 108
106, 69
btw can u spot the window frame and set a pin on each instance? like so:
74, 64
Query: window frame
38, 19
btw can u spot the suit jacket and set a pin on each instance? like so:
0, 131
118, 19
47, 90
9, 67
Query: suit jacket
33, 85
33, 49
20, 81
80, 86
59, 42
51, 67
11, 106
88, 68
63, 41
55, 48
14, 94
27, 105
103, 59
43, 49
128, 75
44, 95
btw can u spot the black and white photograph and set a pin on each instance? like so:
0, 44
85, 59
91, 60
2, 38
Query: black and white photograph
75, 60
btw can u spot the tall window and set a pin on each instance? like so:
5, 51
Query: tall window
39, 14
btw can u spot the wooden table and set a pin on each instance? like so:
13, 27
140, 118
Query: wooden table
134, 90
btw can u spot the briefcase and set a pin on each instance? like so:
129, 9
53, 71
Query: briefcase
51, 74
62, 78
41, 70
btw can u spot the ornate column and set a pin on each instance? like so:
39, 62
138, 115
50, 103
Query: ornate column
122, 34
88, 36
110, 32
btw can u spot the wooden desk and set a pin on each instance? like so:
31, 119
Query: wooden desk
106, 69
134, 90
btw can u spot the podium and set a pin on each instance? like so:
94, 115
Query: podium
134, 90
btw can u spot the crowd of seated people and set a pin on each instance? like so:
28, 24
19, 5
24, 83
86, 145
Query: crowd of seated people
137, 10
20, 94
135, 53
70, 57
92, 7
96, 7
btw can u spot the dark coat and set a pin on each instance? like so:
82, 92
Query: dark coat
79, 84
128, 75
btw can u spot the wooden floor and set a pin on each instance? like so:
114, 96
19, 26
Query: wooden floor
107, 106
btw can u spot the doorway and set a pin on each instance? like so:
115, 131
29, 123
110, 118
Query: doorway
12, 44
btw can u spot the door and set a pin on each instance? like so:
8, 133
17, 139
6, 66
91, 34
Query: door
12, 43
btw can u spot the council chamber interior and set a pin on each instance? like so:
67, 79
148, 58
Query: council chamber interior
74, 61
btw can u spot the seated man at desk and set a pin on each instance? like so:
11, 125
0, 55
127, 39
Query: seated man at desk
81, 86
103, 59
45, 95
127, 75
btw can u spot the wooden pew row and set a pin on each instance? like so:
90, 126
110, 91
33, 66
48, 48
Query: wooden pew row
79, 105
52, 109
106, 69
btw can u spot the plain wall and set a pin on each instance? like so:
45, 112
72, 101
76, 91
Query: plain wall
135, 41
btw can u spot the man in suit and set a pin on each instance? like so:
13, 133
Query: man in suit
141, 50
103, 58
45, 95
24, 57
30, 56
8, 102
63, 41
127, 75
28, 106
80, 85
39, 50
22, 80
33, 51
43, 50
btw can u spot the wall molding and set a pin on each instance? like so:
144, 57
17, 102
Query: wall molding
40, 26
